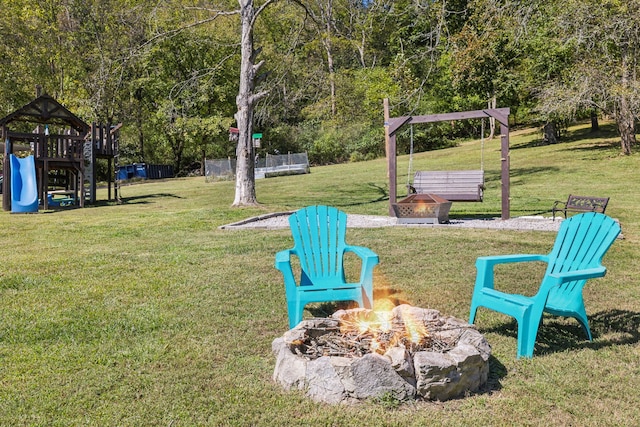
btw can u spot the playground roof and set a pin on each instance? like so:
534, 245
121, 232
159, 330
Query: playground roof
46, 110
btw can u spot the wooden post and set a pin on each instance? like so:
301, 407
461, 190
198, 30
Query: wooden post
390, 151
102, 131
506, 165
385, 103
45, 184
392, 165
107, 150
6, 167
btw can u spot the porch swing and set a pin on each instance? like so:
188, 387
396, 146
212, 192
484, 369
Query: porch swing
393, 124
451, 185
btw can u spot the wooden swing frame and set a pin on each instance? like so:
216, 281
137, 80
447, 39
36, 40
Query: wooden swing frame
393, 124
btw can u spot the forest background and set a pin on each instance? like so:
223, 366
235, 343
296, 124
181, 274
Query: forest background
169, 70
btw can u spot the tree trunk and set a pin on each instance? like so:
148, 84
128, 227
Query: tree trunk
326, 41
177, 146
245, 174
595, 126
139, 115
332, 74
140, 142
624, 116
203, 159
549, 133
492, 121
626, 126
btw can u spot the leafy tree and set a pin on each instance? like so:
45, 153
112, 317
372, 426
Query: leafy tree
604, 40
483, 57
177, 72
30, 51
420, 36
188, 81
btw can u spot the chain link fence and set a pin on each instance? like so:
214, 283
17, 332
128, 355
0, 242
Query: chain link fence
269, 166
220, 169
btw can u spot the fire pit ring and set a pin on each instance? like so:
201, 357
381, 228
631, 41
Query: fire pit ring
400, 372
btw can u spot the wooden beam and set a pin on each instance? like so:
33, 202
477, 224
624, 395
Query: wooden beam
500, 114
45, 184
463, 115
397, 122
109, 175
115, 128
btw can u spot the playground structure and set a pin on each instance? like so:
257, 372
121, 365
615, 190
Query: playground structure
65, 151
393, 124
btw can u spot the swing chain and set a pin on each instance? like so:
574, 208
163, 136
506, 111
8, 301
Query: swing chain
410, 161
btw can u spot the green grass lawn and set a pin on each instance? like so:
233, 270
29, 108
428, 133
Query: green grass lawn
146, 313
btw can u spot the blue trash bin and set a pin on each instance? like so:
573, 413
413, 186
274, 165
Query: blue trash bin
121, 174
141, 170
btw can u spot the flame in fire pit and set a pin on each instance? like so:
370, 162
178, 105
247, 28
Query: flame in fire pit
385, 327
423, 207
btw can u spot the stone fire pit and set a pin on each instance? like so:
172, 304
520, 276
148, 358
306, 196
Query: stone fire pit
448, 359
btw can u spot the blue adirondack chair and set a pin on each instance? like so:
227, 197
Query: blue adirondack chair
576, 256
319, 243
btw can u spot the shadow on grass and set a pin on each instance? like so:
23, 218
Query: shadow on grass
497, 371
607, 145
528, 172
136, 200
609, 328
605, 132
382, 191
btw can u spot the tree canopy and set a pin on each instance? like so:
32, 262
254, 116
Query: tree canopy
170, 70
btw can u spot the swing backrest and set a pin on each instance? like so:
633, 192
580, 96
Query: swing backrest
455, 186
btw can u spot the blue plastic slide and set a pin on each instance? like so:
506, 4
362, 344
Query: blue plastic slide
24, 188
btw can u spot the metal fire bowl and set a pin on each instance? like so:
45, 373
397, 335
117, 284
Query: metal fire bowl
422, 209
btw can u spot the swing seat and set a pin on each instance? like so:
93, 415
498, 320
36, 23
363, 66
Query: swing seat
455, 186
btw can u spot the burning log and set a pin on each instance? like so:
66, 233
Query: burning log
360, 332
354, 344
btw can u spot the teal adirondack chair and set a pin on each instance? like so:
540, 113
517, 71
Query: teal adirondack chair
319, 243
576, 256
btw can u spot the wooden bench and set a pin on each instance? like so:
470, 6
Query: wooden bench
580, 204
455, 186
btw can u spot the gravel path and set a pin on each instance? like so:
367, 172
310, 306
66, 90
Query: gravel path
532, 223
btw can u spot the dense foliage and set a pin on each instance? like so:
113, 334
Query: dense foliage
169, 70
